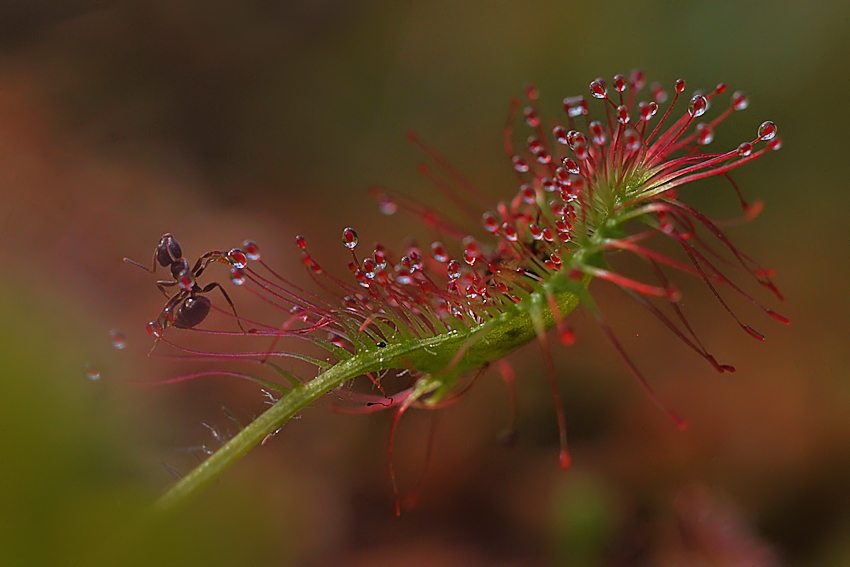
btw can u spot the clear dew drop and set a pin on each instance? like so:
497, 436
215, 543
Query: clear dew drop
252, 250
571, 166
575, 106
403, 276
119, 341
745, 149
698, 106
471, 251
416, 264
581, 152
637, 79
699, 92
597, 133
531, 117
659, 95
647, 110
767, 130
534, 145
237, 276
510, 232
619, 83
370, 268
380, 254
575, 138
92, 373
439, 252
739, 101
387, 205
519, 164
453, 270
598, 89
705, 134
631, 140
491, 225
560, 134
349, 238
562, 176
237, 258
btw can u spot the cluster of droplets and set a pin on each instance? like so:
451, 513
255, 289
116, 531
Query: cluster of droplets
564, 196
585, 174
579, 184
238, 259
616, 163
410, 283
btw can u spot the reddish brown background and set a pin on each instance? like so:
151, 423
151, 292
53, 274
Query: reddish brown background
223, 120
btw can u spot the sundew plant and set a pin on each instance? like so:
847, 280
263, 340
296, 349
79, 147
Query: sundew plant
603, 181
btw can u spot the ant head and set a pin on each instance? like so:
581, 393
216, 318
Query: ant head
168, 251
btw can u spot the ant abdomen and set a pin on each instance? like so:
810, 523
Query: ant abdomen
191, 312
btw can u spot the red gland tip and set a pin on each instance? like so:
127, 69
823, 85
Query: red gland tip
753, 210
753, 332
778, 317
681, 424
565, 459
575, 274
673, 294
567, 336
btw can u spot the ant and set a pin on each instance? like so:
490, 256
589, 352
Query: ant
188, 307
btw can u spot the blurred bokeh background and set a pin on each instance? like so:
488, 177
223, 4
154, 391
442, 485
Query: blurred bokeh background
219, 121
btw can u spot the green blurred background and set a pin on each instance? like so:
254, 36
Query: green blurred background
218, 121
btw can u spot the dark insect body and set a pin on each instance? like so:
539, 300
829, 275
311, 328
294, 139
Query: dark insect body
188, 307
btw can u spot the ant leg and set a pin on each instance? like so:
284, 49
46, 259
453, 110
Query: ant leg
158, 326
162, 284
213, 285
201, 264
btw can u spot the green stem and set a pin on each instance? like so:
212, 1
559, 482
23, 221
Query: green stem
446, 355
267, 423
